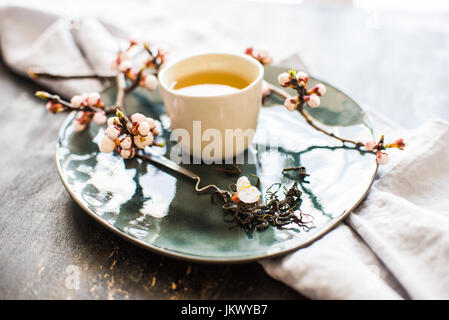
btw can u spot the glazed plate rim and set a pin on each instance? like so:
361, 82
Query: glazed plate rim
198, 258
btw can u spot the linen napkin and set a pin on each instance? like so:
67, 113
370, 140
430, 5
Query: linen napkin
395, 245
44, 41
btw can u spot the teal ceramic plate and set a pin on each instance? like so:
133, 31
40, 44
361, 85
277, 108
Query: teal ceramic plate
161, 211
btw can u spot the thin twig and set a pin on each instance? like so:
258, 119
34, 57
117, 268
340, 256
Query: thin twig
37, 73
284, 94
69, 107
121, 92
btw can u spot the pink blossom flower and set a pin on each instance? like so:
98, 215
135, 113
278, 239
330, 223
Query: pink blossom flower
128, 153
151, 82
284, 79
93, 98
126, 142
143, 128
313, 101
400, 144
370, 145
382, 157
151, 122
112, 132
112, 121
302, 76
264, 57
291, 103
54, 107
142, 142
137, 117
106, 145
76, 101
319, 89
99, 118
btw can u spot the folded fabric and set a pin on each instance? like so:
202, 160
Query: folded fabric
34, 39
395, 245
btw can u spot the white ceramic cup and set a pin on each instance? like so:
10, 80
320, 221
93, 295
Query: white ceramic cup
220, 126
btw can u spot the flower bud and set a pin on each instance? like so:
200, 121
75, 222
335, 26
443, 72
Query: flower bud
99, 118
151, 82
142, 142
143, 128
112, 132
106, 145
264, 57
321, 89
370, 145
126, 142
151, 122
157, 128
302, 76
128, 153
137, 117
400, 144
113, 121
93, 98
382, 158
284, 79
54, 107
291, 103
76, 101
313, 101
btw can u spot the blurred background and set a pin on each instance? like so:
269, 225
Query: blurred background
390, 55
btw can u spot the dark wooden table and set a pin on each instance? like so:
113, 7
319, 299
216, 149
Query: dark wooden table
397, 63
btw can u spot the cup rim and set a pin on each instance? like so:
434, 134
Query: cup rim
240, 91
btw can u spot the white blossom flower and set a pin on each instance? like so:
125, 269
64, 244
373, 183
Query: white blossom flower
142, 142
99, 118
151, 122
106, 145
246, 192
128, 153
291, 103
151, 82
111, 121
382, 158
76, 101
137, 117
143, 128
320, 89
313, 101
302, 76
112, 132
93, 98
126, 142
283, 79
370, 145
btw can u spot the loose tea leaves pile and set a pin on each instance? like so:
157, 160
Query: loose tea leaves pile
279, 210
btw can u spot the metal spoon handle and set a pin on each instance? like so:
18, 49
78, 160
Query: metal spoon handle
159, 159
